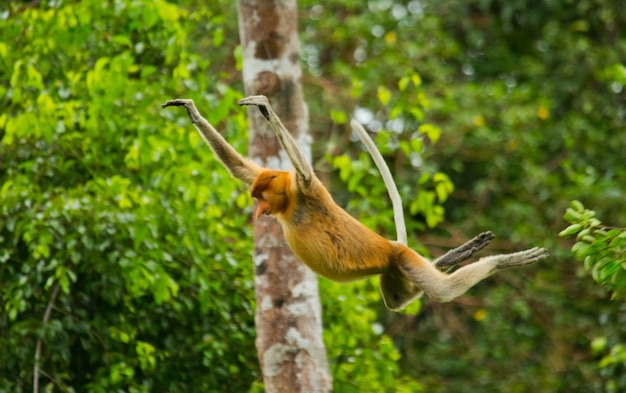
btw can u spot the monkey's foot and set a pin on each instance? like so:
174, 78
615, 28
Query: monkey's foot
521, 258
464, 252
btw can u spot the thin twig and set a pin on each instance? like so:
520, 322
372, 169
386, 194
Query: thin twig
46, 317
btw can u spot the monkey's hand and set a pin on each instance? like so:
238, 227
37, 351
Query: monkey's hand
193, 113
463, 252
177, 102
260, 101
298, 160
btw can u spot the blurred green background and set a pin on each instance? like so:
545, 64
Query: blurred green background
493, 115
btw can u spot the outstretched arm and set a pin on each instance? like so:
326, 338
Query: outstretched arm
238, 166
302, 167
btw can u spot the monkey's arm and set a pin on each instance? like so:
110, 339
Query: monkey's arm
302, 167
238, 166
463, 252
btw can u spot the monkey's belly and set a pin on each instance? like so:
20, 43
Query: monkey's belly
340, 255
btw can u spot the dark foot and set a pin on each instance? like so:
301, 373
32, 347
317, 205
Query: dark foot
464, 252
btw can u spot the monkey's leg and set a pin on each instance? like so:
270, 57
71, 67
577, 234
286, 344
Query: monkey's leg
396, 290
282, 134
457, 283
240, 167
463, 252
442, 287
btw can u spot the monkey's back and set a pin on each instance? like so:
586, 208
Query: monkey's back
331, 242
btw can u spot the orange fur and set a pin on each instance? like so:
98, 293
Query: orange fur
325, 237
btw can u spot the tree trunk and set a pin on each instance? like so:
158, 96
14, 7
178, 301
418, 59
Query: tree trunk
288, 312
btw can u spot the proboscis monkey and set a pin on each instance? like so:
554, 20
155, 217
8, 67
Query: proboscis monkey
333, 243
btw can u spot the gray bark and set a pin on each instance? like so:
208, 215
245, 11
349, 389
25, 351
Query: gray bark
288, 313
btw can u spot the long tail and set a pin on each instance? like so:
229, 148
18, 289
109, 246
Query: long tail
396, 201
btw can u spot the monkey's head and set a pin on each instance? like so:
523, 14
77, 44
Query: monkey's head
271, 192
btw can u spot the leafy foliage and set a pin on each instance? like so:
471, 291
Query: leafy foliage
362, 357
602, 248
120, 205
105, 196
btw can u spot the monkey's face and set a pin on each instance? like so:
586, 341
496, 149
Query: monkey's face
270, 191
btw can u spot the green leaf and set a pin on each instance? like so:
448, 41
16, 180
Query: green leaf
417, 145
384, 95
570, 230
579, 248
122, 40
338, 117
608, 270
598, 344
403, 83
432, 132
